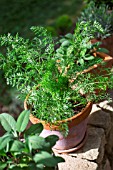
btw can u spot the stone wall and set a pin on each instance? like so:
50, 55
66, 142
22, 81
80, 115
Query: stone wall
97, 153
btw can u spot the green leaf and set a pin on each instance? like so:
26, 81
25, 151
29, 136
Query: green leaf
82, 53
47, 159
4, 140
34, 129
40, 167
65, 43
7, 122
69, 35
3, 165
104, 50
17, 146
38, 142
3, 153
62, 40
60, 51
22, 121
89, 58
81, 61
52, 139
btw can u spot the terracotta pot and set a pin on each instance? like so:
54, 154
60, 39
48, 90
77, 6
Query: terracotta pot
78, 123
77, 130
100, 68
106, 43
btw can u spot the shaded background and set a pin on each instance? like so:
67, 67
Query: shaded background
20, 15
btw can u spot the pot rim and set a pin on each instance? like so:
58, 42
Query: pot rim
89, 104
76, 119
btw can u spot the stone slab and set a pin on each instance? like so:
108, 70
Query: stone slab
101, 119
107, 106
93, 150
72, 163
